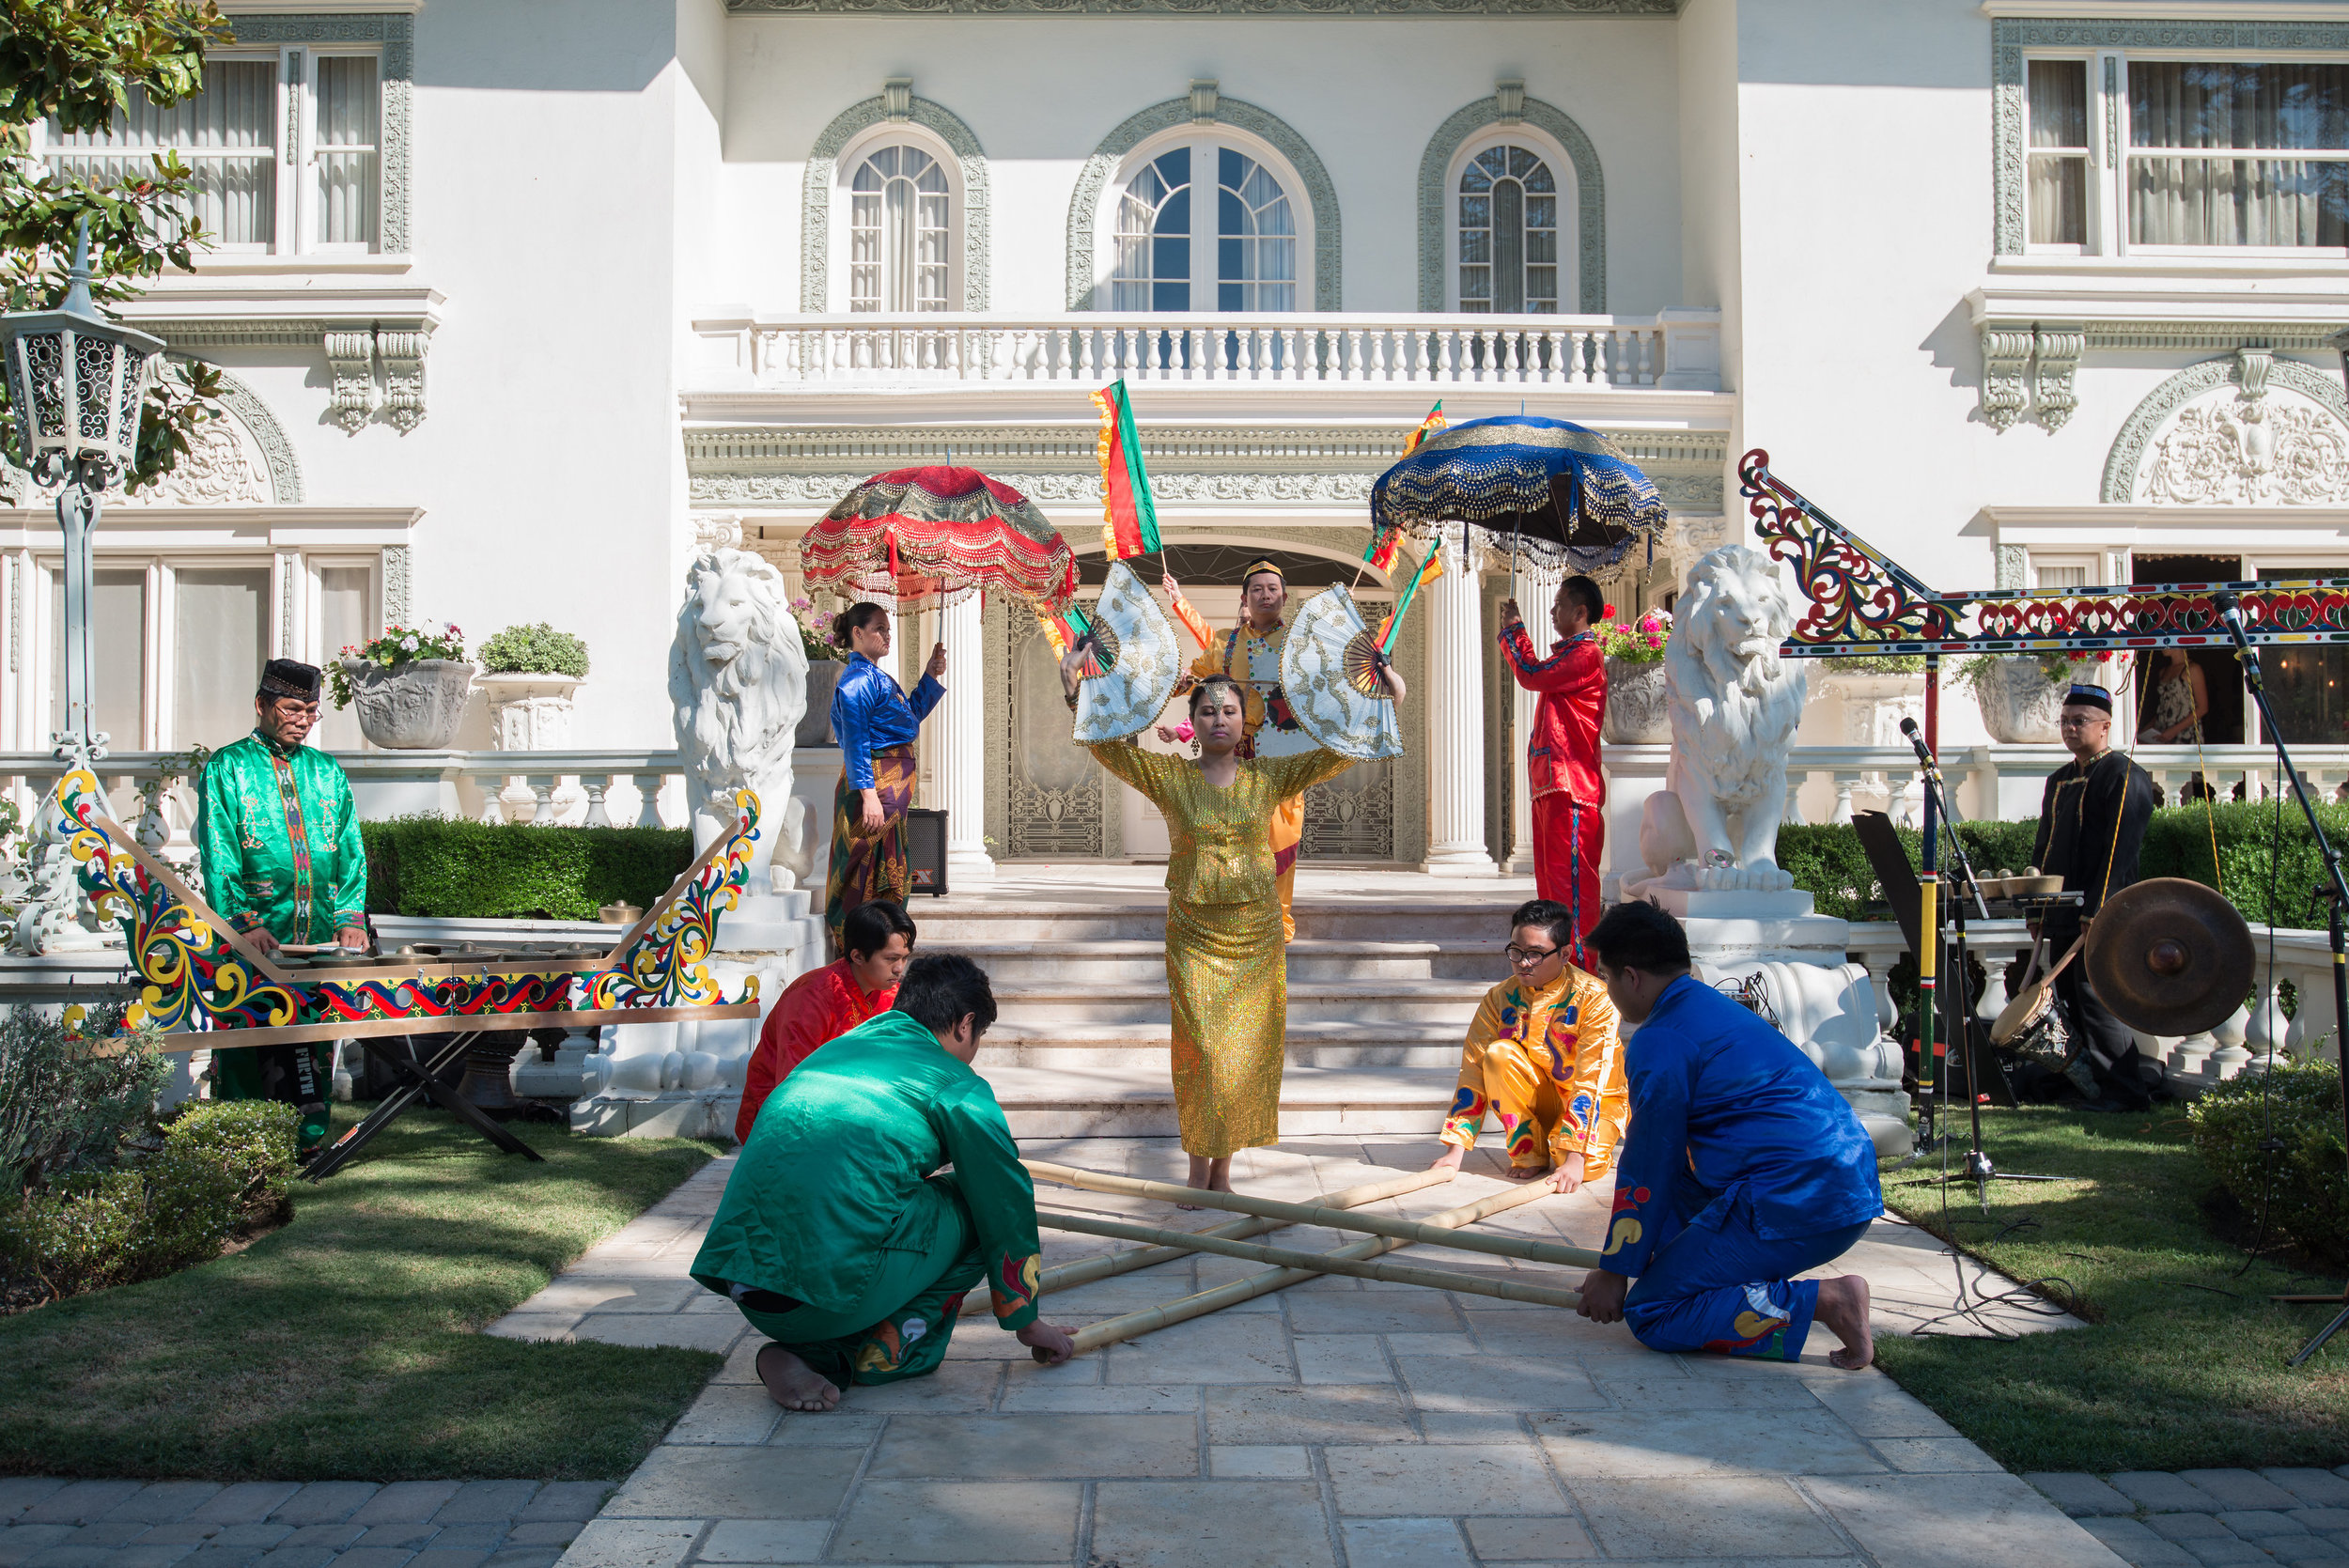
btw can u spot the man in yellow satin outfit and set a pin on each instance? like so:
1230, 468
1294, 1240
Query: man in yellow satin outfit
1545, 1054
1250, 653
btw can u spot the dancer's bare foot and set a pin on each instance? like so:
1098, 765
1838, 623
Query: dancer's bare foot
1208, 1175
1527, 1173
1843, 1307
792, 1383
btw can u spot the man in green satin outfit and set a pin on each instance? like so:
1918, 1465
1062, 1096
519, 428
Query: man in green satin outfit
839, 1239
282, 862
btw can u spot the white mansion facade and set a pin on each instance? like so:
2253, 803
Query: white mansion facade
521, 302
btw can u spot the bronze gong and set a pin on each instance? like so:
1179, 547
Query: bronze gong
2170, 958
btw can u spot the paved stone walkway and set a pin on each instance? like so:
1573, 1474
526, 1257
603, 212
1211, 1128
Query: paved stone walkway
271, 1524
2155, 1520
1339, 1422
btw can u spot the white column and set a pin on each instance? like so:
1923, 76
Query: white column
1536, 588
1456, 722
956, 735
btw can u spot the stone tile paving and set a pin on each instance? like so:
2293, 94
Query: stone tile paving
48, 1523
1341, 1423
2154, 1519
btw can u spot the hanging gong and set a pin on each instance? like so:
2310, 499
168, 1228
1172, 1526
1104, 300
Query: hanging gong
2170, 958
1143, 662
1331, 679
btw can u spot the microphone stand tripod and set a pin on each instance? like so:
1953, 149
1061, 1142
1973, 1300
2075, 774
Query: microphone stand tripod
1939, 810
2335, 894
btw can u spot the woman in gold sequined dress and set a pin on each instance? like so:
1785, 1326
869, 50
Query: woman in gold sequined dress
1226, 968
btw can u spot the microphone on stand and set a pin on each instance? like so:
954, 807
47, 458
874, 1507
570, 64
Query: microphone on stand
1917, 739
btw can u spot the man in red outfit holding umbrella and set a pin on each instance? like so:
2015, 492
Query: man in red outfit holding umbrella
1562, 753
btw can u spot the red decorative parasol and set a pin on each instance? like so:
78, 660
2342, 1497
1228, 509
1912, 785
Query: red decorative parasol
931, 535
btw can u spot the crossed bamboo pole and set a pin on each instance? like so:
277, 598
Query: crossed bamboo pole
1293, 1266
1084, 1271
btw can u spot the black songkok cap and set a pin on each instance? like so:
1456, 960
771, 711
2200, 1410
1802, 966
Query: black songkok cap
287, 677
2089, 696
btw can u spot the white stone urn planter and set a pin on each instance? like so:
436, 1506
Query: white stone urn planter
2021, 705
413, 707
529, 712
1636, 714
823, 678
1874, 704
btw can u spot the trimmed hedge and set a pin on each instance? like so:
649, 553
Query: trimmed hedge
453, 868
221, 1167
2302, 1187
64, 1108
1827, 862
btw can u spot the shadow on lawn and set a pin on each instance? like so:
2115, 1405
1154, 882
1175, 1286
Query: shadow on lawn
345, 1344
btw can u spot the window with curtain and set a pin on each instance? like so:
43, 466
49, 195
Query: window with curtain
2057, 104
2237, 153
346, 619
1165, 243
218, 643
227, 135
1508, 226
119, 637
900, 212
252, 190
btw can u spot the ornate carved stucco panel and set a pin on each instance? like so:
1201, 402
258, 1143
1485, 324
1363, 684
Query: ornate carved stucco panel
2247, 430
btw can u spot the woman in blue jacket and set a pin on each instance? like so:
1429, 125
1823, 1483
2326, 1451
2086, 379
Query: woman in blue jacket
875, 723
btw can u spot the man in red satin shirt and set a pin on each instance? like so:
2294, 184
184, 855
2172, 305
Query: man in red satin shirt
876, 943
1561, 753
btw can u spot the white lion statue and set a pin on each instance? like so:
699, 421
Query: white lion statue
738, 686
1735, 707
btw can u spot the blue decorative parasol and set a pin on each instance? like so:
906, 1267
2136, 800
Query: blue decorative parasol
1561, 494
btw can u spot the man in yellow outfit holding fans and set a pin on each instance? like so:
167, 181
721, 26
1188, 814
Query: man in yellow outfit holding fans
1250, 653
1544, 1055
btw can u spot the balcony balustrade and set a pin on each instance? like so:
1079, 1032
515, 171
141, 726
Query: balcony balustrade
1676, 350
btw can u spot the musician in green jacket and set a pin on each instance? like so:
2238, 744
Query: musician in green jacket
839, 1238
278, 835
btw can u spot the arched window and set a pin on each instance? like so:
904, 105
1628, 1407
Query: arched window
900, 232
1508, 218
1169, 247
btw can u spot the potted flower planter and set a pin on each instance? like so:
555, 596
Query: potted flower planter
823, 678
1874, 703
1637, 713
2021, 706
414, 706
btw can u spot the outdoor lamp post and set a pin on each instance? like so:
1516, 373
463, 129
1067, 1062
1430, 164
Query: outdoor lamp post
76, 383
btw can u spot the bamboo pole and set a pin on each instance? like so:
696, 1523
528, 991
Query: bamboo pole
1320, 1263
1084, 1271
1132, 1324
1329, 1219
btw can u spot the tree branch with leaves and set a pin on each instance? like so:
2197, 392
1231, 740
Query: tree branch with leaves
76, 63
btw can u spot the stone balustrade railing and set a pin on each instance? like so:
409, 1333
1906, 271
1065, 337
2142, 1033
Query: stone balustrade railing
1673, 350
150, 792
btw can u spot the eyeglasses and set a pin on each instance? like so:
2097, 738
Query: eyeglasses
1525, 957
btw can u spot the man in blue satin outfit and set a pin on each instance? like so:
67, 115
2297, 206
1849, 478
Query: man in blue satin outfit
1743, 1168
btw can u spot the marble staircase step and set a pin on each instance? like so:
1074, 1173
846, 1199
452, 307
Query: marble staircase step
1075, 1103
1081, 1000
1145, 1047
1114, 960
1127, 918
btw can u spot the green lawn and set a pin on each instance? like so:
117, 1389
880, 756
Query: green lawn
2184, 1365
344, 1344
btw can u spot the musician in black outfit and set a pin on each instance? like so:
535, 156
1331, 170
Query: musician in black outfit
2091, 821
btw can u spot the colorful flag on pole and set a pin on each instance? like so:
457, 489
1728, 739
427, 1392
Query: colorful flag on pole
1428, 571
1062, 627
1193, 621
1380, 555
1129, 523
1427, 426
